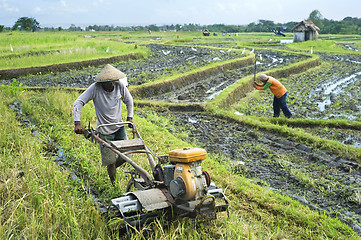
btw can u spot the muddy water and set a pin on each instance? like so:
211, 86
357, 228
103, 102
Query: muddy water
202, 90
330, 92
323, 181
325, 93
335, 88
345, 136
164, 61
351, 47
320, 180
334, 91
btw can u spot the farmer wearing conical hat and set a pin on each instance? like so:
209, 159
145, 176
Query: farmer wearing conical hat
279, 91
108, 90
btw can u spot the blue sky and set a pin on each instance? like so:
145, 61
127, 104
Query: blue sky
54, 13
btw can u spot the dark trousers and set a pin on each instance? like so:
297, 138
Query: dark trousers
109, 158
280, 103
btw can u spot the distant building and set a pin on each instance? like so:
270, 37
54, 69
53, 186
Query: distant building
304, 31
206, 32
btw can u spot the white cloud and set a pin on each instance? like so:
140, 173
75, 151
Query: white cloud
145, 12
220, 6
234, 7
97, 2
60, 8
4, 5
37, 10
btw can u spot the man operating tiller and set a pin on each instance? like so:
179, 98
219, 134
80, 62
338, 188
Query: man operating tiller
107, 92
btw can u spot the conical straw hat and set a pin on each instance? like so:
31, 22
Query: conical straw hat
109, 73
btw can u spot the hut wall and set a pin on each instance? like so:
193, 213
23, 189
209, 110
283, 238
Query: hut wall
313, 35
298, 36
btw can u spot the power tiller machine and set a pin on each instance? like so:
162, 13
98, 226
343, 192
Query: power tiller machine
177, 187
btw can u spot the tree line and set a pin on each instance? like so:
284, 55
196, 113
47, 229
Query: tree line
348, 25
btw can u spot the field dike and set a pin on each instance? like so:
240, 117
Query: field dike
15, 73
164, 62
244, 86
251, 205
157, 88
324, 181
224, 98
271, 165
272, 161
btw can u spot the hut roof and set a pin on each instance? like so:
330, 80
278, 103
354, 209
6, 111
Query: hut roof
304, 26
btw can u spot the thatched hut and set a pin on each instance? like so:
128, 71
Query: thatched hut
206, 32
305, 30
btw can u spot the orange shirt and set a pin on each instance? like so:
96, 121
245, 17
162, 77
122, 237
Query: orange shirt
276, 87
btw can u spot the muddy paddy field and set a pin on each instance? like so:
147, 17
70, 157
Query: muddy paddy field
164, 61
322, 180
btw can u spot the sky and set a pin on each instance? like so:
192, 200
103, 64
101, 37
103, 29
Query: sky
63, 13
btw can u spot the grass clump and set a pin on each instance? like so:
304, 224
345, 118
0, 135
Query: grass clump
321, 45
37, 199
20, 50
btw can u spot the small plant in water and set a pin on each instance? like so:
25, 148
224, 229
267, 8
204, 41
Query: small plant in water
14, 88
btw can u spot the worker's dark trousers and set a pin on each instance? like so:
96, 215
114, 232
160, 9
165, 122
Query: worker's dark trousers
108, 156
280, 103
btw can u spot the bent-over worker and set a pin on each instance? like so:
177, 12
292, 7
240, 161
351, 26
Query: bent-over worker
278, 90
108, 90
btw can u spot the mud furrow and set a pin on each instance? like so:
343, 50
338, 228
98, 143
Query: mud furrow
202, 90
320, 180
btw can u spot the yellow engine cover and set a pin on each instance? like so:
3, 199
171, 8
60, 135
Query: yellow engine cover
187, 155
184, 171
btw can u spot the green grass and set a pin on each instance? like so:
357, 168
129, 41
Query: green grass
44, 48
41, 49
179, 79
329, 46
43, 203
47, 203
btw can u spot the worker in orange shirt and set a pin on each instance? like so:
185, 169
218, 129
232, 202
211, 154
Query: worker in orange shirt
279, 92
